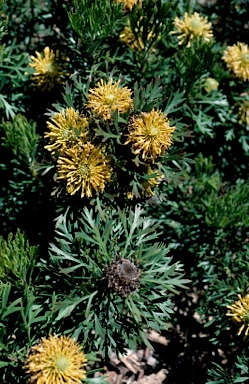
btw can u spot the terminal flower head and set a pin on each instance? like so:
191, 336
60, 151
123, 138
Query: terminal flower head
66, 129
56, 360
48, 72
107, 98
236, 58
239, 312
193, 26
85, 169
150, 134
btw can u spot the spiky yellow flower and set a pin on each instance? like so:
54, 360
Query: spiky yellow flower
239, 311
194, 26
244, 112
134, 42
150, 134
236, 58
129, 4
56, 360
84, 168
210, 84
108, 98
66, 129
48, 73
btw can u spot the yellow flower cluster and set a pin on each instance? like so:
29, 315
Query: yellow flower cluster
56, 360
84, 166
236, 58
239, 311
48, 73
193, 26
80, 163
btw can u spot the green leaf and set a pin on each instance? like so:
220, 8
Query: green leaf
174, 101
4, 364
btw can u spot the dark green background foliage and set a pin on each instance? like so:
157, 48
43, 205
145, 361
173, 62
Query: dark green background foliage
55, 248
206, 221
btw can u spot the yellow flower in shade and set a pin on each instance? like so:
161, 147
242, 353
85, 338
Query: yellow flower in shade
244, 112
211, 84
48, 73
194, 26
149, 184
56, 360
107, 98
129, 4
66, 129
236, 58
84, 168
239, 311
150, 134
134, 42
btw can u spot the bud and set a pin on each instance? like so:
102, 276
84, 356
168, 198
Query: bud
211, 84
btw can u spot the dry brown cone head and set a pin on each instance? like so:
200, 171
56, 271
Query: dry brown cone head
123, 276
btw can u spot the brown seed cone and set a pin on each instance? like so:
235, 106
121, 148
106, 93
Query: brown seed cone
123, 276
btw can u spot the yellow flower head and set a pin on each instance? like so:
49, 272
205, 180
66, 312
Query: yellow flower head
107, 98
240, 313
66, 129
211, 84
56, 360
150, 134
194, 26
236, 58
135, 41
148, 185
48, 72
84, 168
127, 37
129, 4
244, 112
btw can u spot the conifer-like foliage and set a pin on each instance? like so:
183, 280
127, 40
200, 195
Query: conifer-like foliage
17, 258
21, 138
